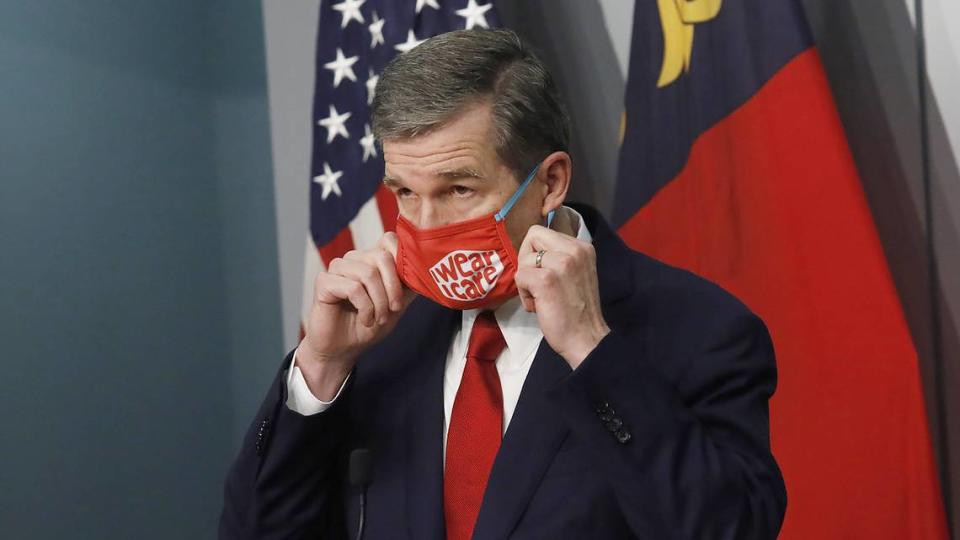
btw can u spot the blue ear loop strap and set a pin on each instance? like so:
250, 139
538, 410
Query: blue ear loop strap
499, 216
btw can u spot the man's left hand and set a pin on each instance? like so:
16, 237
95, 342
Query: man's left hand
563, 291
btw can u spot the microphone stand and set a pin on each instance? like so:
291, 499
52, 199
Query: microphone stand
360, 469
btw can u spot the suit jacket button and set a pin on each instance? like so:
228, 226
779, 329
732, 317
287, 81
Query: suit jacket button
262, 436
605, 408
614, 424
623, 436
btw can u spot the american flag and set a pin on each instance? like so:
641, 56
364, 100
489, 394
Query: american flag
349, 207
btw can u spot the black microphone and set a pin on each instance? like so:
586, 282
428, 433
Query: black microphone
361, 469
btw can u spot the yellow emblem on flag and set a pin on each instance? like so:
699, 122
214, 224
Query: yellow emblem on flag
677, 18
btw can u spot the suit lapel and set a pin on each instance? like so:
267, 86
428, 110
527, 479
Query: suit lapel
424, 431
529, 445
536, 432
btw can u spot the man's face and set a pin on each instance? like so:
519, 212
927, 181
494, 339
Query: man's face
453, 174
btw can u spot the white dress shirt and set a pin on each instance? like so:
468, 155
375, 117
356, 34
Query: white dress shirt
520, 329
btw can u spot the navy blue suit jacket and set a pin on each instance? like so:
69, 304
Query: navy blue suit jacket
661, 433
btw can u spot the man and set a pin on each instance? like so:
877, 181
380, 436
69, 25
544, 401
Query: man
514, 369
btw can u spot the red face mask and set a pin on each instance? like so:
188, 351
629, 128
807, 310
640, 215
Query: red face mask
465, 265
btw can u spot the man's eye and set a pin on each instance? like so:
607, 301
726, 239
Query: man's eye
462, 191
404, 192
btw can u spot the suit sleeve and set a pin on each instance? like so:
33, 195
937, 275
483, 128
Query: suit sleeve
687, 459
286, 480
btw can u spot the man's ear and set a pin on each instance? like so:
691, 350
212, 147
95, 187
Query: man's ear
554, 174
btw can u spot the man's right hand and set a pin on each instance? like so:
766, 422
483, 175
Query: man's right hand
356, 302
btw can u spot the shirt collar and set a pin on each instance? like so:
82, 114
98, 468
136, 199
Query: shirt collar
520, 330
583, 233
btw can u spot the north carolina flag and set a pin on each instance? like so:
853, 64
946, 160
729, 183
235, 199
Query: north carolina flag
734, 165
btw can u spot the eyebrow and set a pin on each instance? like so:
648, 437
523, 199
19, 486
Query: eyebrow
453, 174
447, 174
389, 181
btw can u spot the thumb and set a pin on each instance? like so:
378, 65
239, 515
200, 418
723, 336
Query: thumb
389, 242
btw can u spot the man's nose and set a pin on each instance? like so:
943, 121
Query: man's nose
432, 215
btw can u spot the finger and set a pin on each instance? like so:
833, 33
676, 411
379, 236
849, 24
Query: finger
525, 245
391, 281
539, 237
528, 301
369, 275
389, 242
337, 288
385, 261
529, 259
525, 279
563, 263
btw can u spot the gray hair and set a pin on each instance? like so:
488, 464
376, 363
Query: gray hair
424, 88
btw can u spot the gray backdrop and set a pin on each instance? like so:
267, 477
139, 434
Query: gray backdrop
139, 293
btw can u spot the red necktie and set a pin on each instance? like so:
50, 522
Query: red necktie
476, 427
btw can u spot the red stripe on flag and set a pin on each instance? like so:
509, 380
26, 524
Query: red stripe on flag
387, 203
341, 243
770, 206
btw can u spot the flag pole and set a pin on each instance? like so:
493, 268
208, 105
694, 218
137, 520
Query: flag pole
933, 278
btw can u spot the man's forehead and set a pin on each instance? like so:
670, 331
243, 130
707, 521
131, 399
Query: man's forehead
447, 173
431, 153
459, 158
460, 148
470, 125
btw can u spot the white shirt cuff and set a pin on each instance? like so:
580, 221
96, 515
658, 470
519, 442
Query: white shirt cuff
299, 397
